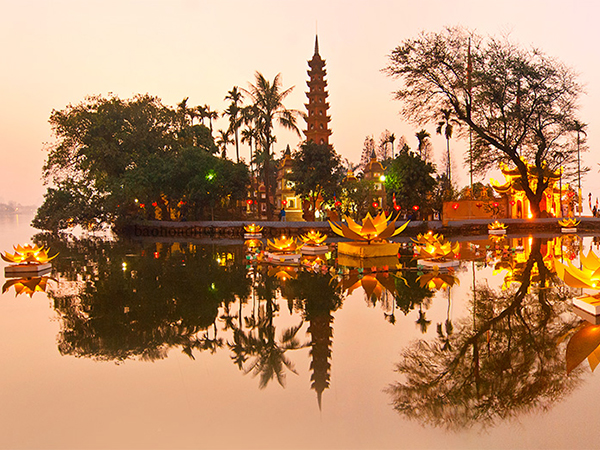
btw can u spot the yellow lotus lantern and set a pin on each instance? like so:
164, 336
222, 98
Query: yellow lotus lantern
27, 259
568, 225
372, 229
369, 237
496, 228
313, 238
588, 277
314, 243
568, 222
284, 244
434, 249
28, 254
253, 231
283, 250
253, 228
437, 280
27, 286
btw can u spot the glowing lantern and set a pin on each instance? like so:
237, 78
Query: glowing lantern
375, 205
416, 207
397, 207
455, 206
313, 238
27, 254
249, 201
371, 229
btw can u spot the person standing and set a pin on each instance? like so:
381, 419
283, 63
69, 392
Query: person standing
282, 214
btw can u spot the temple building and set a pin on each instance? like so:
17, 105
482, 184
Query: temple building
556, 201
285, 194
375, 171
317, 120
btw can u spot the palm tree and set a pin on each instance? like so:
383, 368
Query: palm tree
579, 128
235, 118
391, 139
223, 138
446, 126
422, 138
268, 99
210, 115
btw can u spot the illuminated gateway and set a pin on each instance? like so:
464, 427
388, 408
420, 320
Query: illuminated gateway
556, 201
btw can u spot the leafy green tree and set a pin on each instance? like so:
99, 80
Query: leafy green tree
315, 172
411, 180
119, 159
267, 98
518, 103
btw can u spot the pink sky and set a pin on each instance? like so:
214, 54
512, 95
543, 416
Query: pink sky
57, 52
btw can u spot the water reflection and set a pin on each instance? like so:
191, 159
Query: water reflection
120, 301
504, 360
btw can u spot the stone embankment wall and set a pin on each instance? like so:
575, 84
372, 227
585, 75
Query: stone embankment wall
235, 229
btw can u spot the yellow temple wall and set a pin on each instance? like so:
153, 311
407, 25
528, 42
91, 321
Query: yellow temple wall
474, 209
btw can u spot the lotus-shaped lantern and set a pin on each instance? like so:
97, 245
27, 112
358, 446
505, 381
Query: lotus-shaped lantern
588, 277
436, 247
585, 343
27, 286
568, 225
284, 244
28, 254
495, 225
253, 228
372, 229
436, 280
313, 238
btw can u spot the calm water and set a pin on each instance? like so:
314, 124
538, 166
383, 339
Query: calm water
175, 345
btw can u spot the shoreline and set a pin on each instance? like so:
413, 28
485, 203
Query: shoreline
235, 229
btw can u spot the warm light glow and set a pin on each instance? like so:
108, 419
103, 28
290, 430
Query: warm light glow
568, 223
313, 238
371, 229
435, 247
382, 178
27, 254
253, 228
284, 245
495, 225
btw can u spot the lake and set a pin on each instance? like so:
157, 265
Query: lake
142, 344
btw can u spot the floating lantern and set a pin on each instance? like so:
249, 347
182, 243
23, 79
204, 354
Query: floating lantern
370, 236
435, 250
496, 228
568, 225
314, 243
253, 231
588, 277
283, 250
27, 259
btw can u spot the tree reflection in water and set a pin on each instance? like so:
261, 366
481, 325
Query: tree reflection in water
119, 301
505, 360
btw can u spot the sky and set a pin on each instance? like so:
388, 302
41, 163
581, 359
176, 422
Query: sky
57, 52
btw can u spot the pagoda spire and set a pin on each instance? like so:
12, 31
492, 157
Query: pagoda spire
317, 120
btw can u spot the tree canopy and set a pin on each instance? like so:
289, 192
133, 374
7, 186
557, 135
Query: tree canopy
519, 103
115, 158
315, 171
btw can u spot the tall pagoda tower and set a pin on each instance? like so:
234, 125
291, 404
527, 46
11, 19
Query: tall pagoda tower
317, 120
